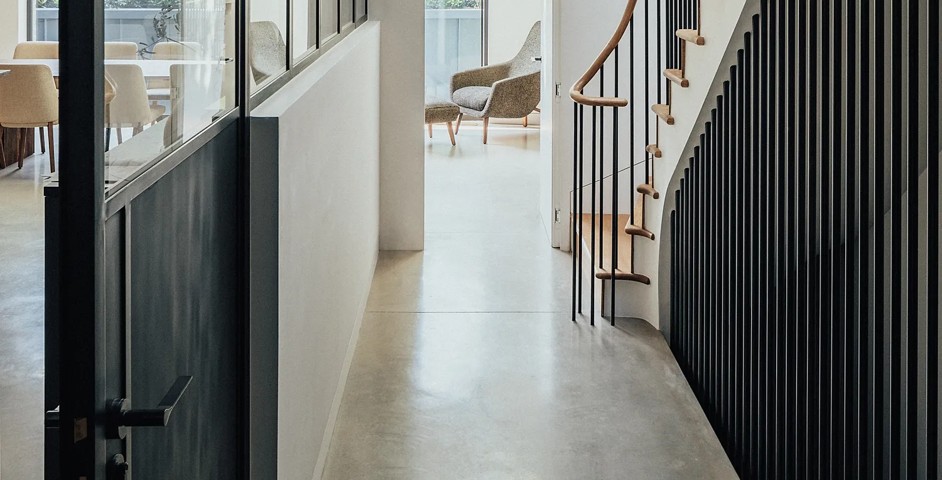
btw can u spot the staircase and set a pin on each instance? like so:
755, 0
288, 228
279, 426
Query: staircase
612, 238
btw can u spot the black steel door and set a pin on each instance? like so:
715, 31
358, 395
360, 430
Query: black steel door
145, 319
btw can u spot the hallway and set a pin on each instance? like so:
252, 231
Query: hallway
468, 366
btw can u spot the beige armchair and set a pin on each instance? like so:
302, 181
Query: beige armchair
505, 90
28, 100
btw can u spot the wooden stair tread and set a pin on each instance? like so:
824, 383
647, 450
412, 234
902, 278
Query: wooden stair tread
649, 190
637, 229
664, 112
654, 150
624, 247
691, 35
676, 75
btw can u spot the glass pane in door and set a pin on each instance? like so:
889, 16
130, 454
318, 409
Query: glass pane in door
168, 75
453, 42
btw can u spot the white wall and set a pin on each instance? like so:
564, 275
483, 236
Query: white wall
328, 173
509, 22
12, 25
402, 100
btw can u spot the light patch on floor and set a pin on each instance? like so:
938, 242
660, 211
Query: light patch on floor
21, 319
468, 366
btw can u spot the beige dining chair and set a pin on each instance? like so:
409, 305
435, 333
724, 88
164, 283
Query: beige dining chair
129, 108
28, 100
121, 50
37, 50
176, 51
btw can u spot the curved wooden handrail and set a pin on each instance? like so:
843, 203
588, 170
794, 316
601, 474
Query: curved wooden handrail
576, 91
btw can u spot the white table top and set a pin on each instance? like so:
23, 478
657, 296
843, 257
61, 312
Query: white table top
151, 68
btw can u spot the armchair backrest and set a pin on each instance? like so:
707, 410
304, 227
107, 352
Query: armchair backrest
523, 63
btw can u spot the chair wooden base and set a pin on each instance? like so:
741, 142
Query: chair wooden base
451, 132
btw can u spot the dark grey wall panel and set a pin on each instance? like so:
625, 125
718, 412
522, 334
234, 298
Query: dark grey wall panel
184, 314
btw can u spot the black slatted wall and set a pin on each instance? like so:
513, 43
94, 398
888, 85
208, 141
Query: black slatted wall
805, 245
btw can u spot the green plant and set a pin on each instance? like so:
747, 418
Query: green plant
443, 4
166, 23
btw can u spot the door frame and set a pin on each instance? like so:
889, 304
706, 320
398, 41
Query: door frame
78, 384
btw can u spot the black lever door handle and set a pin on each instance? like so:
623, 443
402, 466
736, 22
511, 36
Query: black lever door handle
121, 416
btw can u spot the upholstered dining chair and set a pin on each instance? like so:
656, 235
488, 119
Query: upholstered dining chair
176, 51
130, 107
505, 90
121, 50
37, 50
267, 52
28, 100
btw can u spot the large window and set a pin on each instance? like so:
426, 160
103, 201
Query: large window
454, 41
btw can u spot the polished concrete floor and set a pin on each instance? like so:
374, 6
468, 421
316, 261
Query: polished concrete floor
21, 319
468, 366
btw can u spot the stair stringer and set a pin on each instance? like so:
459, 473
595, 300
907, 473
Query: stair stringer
724, 24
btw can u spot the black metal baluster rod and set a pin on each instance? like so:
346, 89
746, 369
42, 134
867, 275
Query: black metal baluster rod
766, 399
878, 317
792, 267
719, 239
593, 225
723, 306
802, 261
739, 300
678, 293
697, 261
914, 153
816, 249
744, 233
838, 245
752, 234
780, 242
851, 236
647, 104
689, 341
631, 141
706, 216
863, 390
581, 194
615, 134
932, 244
659, 40
602, 169
825, 249
896, 251
574, 217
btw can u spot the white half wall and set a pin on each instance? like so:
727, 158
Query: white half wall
402, 114
315, 186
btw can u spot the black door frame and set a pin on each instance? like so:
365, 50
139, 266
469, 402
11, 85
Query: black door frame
79, 325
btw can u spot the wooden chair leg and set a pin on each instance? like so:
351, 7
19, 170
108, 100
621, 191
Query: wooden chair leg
120, 136
451, 133
486, 121
3, 154
42, 141
52, 149
107, 139
137, 129
526, 122
458, 125
430, 130
21, 146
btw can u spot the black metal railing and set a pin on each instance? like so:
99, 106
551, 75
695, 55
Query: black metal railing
805, 245
647, 56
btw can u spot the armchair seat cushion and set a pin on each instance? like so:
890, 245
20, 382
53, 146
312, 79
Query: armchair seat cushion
474, 98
